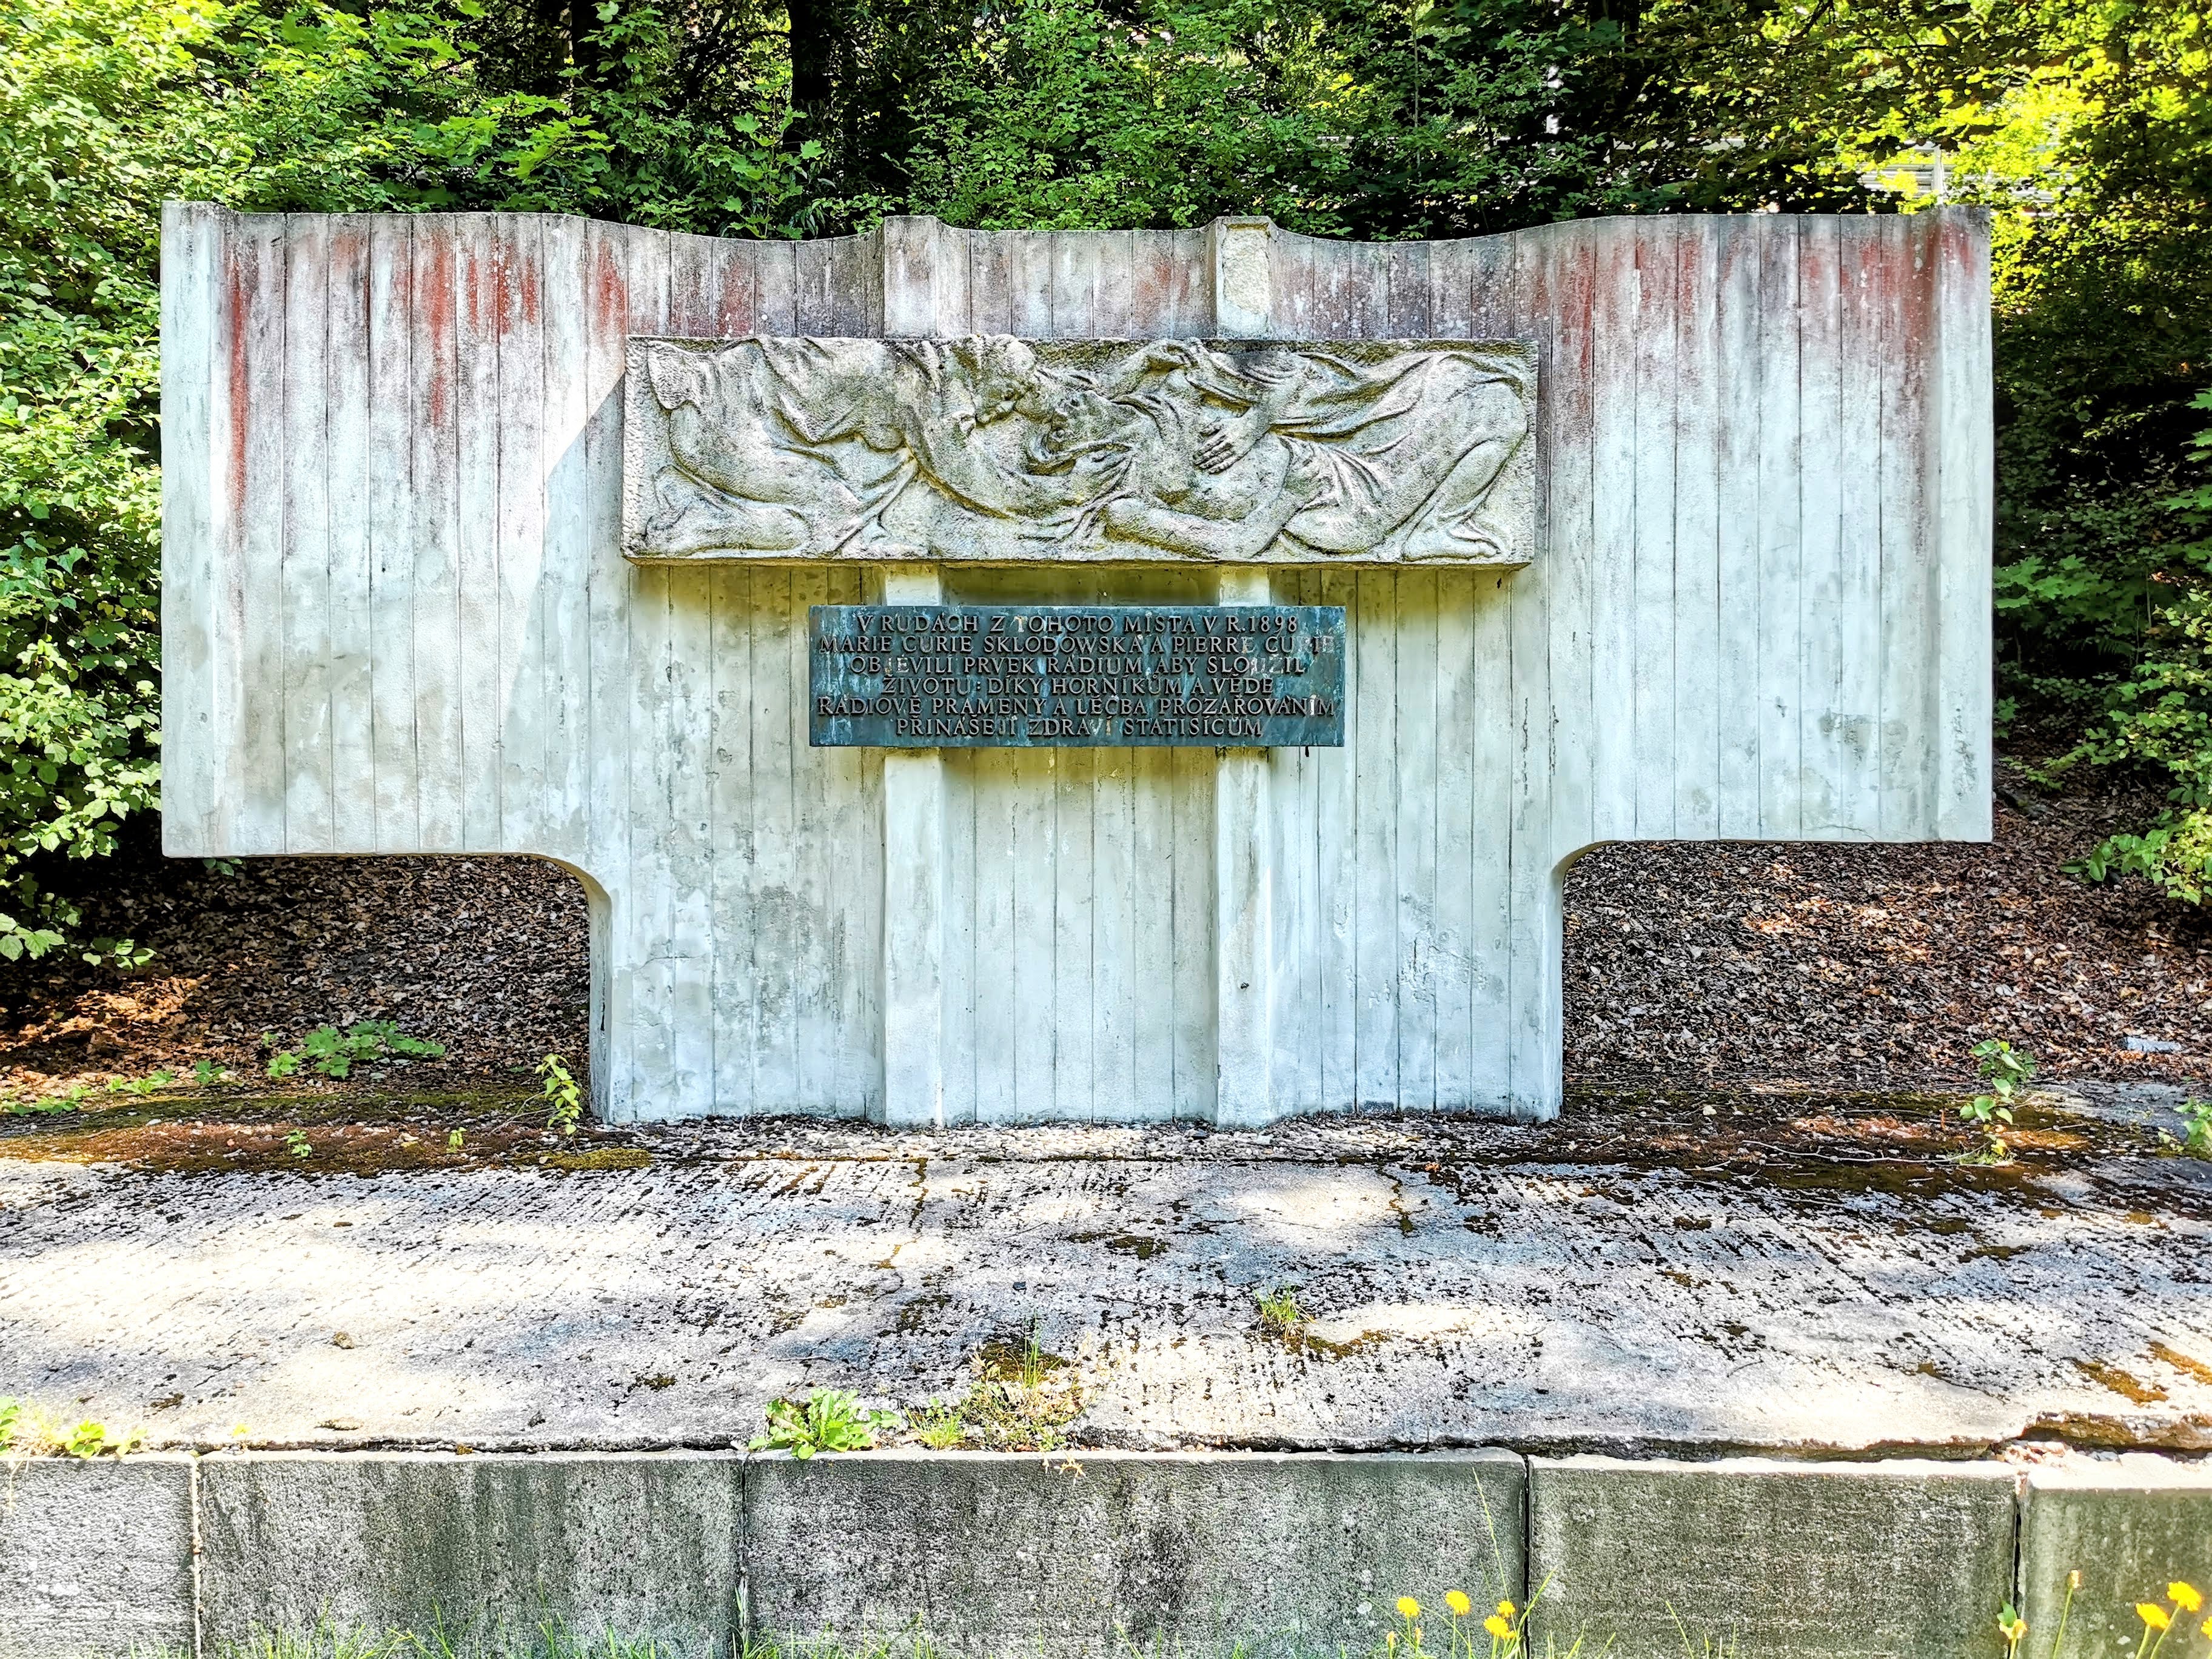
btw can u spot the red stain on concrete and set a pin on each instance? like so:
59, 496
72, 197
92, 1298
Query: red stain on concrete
240, 287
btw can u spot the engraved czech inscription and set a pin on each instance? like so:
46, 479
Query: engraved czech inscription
999, 450
972, 676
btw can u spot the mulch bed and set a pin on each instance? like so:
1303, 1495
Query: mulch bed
1881, 967
1851, 966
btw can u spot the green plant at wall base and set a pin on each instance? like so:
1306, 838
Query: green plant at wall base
831, 1420
297, 1144
2195, 1139
564, 1099
2004, 1069
937, 1426
29, 1430
335, 1054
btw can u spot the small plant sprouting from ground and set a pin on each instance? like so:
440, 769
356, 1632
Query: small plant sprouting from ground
937, 1426
453, 1140
2195, 1137
1279, 1313
830, 1420
2005, 1070
335, 1054
1502, 1634
1021, 1398
26, 1430
297, 1144
553, 1639
564, 1100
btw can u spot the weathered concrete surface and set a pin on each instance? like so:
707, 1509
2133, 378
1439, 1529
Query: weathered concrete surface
2129, 1527
396, 619
99, 1556
635, 1544
1101, 1553
1909, 1558
1635, 1279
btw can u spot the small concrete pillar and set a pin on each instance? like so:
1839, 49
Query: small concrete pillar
1243, 847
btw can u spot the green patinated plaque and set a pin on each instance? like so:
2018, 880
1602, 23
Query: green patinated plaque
1067, 676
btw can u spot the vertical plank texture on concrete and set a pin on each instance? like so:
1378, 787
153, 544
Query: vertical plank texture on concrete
399, 621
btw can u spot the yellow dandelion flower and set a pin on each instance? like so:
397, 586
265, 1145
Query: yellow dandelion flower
2187, 1597
1498, 1626
1408, 1607
1458, 1601
1505, 1609
2206, 1627
2153, 1615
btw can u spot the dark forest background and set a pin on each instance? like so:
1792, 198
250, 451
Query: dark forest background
2085, 125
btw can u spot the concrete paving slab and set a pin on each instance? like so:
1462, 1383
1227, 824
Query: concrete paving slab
636, 1544
1099, 1553
1788, 1276
1752, 1556
99, 1558
2129, 1526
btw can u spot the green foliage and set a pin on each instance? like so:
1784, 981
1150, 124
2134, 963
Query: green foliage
1279, 1312
2085, 124
2006, 1070
153, 1082
2195, 1137
29, 1430
335, 1054
831, 1420
564, 1099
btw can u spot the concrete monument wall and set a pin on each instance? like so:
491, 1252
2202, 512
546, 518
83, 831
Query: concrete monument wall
398, 618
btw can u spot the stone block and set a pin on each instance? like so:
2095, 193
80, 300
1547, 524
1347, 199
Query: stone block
99, 1558
2129, 1526
1098, 1552
1773, 1558
636, 1545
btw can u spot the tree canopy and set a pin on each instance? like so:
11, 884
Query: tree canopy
2085, 125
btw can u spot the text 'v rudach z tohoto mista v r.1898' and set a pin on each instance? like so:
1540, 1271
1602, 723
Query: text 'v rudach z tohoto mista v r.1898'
919, 677
498, 533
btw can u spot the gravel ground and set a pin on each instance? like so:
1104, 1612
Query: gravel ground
1700, 964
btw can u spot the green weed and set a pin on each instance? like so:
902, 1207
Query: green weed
831, 1420
564, 1100
335, 1054
2004, 1069
2195, 1138
1279, 1313
27, 1430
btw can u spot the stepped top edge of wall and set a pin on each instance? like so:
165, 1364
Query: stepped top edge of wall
1973, 219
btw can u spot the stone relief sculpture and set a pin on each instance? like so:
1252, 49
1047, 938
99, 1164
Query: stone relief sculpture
999, 450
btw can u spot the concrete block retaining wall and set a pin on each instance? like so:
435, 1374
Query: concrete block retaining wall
1076, 1554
